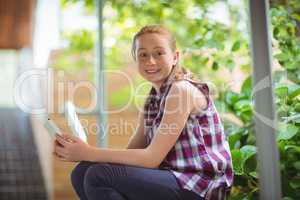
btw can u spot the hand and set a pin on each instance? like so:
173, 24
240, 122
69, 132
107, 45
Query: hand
70, 148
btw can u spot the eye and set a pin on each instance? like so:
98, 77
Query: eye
142, 55
160, 53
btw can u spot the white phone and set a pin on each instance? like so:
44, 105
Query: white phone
73, 121
52, 128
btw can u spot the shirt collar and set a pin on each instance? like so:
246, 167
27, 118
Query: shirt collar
162, 89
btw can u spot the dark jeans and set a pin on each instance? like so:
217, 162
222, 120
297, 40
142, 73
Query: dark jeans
102, 181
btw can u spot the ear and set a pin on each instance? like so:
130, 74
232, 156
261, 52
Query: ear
176, 57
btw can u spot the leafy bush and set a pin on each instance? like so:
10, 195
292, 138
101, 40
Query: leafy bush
79, 53
287, 89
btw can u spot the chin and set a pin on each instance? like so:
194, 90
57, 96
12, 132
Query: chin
151, 79
156, 79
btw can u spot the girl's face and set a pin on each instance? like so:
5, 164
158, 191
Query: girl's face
155, 58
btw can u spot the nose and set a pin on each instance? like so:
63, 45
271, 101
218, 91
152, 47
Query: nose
151, 60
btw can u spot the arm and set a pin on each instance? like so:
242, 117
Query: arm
137, 140
183, 99
179, 104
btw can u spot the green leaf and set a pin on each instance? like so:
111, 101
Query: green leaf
295, 147
296, 120
278, 75
282, 56
244, 160
294, 92
237, 161
275, 31
250, 164
233, 139
247, 86
229, 64
282, 111
221, 106
212, 43
297, 107
291, 65
296, 16
295, 183
242, 104
215, 65
287, 198
295, 77
231, 98
281, 90
297, 165
246, 114
254, 174
248, 151
236, 46
287, 131
204, 60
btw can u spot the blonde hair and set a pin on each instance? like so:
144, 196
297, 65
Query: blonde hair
178, 71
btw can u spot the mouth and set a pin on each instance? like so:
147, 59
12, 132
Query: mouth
152, 71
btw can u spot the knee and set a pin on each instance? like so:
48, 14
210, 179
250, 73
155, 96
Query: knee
97, 175
77, 174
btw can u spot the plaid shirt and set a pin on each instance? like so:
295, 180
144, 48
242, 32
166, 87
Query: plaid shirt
200, 159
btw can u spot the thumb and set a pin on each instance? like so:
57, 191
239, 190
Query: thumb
70, 137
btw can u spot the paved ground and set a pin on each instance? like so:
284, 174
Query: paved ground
20, 172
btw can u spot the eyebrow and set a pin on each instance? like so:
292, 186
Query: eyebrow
157, 47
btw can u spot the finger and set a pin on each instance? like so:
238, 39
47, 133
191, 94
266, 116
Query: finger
56, 155
62, 141
55, 144
62, 159
61, 151
58, 135
70, 137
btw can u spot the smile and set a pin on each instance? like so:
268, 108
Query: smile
152, 71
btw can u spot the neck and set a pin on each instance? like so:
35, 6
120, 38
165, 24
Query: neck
157, 87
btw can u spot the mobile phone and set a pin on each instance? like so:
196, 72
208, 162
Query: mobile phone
52, 128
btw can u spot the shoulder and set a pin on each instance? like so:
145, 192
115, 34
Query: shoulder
185, 87
187, 92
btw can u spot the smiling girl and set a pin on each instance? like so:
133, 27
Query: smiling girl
179, 150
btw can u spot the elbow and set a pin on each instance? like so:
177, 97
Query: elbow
152, 161
152, 165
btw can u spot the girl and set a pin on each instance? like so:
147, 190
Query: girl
179, 150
